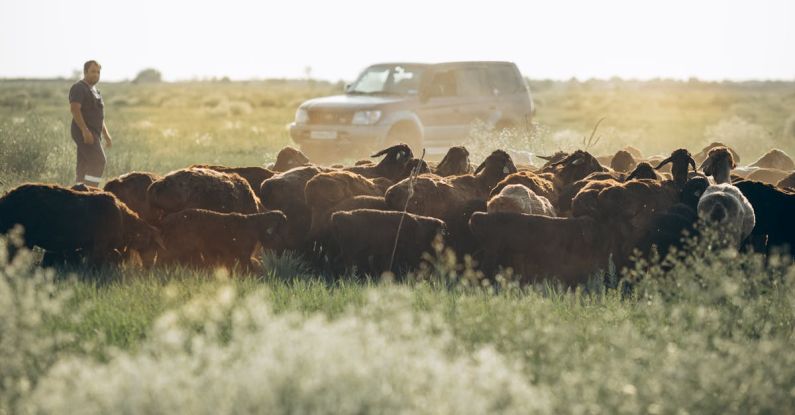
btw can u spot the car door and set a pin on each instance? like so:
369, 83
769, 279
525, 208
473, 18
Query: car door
440, 110
510, 92
477, 102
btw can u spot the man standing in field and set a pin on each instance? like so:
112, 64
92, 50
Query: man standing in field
88, 125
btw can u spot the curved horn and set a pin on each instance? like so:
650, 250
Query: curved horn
663, 163
692, 163
482, 165
386, 150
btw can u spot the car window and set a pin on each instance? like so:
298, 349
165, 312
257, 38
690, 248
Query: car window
372, 81
503, 80
472, 83
444, 84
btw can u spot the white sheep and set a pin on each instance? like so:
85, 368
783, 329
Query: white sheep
519, 199
725, 205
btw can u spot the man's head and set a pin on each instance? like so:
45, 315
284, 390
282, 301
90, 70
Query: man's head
91, 72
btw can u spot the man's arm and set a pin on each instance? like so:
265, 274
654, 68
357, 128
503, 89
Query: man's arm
88, 137
108, 140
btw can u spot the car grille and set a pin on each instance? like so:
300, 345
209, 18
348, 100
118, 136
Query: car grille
330, 117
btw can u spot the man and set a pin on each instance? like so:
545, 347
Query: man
88, 125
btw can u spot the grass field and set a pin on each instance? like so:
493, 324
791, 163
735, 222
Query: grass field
707, 332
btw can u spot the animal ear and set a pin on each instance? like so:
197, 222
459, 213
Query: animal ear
632, 175
692, 163
578, 161
663, 163
547, 158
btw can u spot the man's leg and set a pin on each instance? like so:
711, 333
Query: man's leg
80, 170
90, 162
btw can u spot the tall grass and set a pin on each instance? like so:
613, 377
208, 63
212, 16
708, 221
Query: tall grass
703, 331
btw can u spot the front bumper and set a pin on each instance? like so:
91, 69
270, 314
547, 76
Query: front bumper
346, 135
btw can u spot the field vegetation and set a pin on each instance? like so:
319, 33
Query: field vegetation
703, 331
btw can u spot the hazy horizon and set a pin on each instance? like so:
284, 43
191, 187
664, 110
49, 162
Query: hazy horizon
710, 40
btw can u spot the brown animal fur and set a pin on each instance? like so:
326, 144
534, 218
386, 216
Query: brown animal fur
769, 176
643, 171
285, 192
371, 250
623, 162
538, 184
253, 175
131, 189
540, 247
326, 190
206, 238
453, 199
787, 182
775, 159
62, 220
202, 189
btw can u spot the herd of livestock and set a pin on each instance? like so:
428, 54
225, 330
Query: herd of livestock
565, 219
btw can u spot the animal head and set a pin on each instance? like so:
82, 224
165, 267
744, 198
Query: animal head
704, 153
693, 189
417, 167
399, 153
289, 158
273, 229
138, 234
497, 164
552, 160
680, 159
455, 162
623, 162
643, 171
576, 166
718, 164
634, 151
724, 210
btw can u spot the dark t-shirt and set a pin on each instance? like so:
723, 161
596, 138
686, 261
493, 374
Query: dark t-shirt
91, 106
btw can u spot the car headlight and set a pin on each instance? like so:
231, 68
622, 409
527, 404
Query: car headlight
301, 116
366, 117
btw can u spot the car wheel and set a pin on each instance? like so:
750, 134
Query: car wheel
405, 133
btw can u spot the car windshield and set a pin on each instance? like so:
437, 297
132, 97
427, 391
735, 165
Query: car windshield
387, 80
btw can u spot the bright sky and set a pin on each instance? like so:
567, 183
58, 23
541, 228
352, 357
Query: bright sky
556, 39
